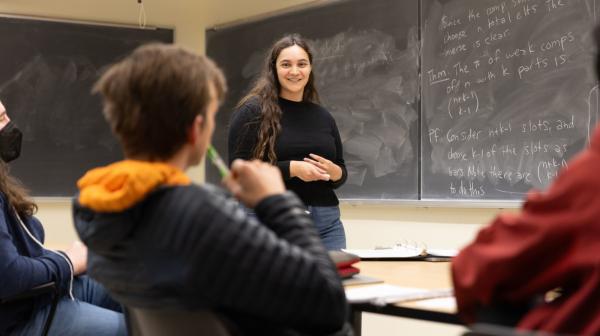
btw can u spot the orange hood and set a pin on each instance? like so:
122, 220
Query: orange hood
120, 185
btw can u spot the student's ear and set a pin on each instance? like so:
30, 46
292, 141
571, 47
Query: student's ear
195, 130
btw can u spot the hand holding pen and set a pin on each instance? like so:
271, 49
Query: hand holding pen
252, 181
217, 161
249, 181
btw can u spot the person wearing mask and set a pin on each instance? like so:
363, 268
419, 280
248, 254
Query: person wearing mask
84, 305
281, 122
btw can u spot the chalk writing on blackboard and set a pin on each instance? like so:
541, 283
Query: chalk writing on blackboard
509, 94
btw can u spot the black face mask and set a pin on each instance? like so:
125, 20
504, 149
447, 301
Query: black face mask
10, 142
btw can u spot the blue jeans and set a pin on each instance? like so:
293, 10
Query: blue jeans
328, 224
92, 312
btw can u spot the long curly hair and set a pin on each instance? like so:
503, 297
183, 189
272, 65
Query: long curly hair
266, 90
15, 193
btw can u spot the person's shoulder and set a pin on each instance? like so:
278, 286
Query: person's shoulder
246, 112
584, 166
187, 198
321, 110
250, 107
317, 107
179, 192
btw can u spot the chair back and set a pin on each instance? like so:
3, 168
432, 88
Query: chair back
158, 322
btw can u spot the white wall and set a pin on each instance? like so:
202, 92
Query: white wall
366, 225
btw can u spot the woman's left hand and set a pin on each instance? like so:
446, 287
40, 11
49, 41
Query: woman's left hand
4, 119
334, 171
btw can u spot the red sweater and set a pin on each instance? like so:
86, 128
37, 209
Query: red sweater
554, 242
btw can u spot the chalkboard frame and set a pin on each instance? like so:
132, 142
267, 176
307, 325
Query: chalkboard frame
83, 22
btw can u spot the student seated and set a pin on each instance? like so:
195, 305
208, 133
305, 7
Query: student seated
157, 240
25, 263
554, 243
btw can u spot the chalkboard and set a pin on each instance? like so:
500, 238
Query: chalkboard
439, 99
46, 74
366, 57
509, 94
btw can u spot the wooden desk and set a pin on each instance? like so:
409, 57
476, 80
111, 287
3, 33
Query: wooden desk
421, 274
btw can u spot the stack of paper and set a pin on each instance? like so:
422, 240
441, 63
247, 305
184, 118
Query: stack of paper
384, 294
400, 252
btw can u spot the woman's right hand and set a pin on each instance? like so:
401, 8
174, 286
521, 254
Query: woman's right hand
77, 253
307, 172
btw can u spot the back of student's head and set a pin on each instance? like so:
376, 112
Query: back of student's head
152, 97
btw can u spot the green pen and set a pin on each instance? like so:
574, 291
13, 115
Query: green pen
215, 158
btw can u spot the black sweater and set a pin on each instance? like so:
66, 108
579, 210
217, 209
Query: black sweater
305, 128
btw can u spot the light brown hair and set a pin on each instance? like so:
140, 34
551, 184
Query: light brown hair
153, 96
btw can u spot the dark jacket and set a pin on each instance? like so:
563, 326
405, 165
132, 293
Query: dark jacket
189, 247
24, 264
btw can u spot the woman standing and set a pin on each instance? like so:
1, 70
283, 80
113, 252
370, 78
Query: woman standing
280, 121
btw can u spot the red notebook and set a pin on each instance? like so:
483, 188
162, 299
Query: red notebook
344, 261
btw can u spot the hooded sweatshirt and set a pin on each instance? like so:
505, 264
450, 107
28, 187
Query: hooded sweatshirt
156, 240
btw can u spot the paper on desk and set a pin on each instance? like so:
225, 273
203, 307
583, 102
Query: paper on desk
442, 252
396, 252
384, 293
399, 252
445, 303
360, 279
